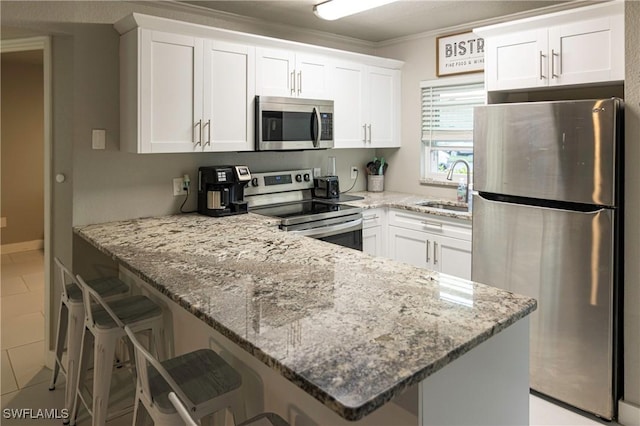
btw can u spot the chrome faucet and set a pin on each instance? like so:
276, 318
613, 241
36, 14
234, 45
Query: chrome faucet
450, 176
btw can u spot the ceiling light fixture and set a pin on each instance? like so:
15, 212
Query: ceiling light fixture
336, 9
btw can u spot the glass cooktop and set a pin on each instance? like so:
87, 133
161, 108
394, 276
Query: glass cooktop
305, 211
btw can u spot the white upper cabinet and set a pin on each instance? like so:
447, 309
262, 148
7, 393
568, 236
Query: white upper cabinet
366, 105
517, 60
194, 94
287, 73
578, 46
383, 102
192, 88
229, 89
169, 99
589, 51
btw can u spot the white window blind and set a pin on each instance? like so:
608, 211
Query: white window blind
447, 125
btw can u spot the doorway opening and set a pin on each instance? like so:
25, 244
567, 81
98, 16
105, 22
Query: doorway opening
26, 190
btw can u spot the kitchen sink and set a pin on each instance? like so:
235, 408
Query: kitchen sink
443, 206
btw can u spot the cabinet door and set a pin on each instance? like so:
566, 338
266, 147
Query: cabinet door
452, 256
170, 93
587, 52
229, 88
313, 77
372, 240
517, 60
412, 247
275, 72
348, 105
383, 89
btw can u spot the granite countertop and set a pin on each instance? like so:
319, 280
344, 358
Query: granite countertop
349, 329
400, 200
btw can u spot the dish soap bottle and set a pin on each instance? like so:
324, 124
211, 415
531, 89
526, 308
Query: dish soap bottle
462, 191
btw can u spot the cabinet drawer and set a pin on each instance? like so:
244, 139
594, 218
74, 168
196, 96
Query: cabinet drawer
437, 225
372, 218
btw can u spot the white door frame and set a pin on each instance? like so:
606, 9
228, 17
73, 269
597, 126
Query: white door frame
44, 44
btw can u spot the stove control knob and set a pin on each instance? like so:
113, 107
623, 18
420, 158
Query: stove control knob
307, 178
254, 182
298, 178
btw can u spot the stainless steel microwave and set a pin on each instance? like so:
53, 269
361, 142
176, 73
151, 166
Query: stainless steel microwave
293, 124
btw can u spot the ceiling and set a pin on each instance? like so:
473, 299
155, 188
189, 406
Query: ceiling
395, 20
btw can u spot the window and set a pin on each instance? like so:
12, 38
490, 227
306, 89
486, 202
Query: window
447, 125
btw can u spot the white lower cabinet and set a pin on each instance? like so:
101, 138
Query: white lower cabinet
438, 243
373, 232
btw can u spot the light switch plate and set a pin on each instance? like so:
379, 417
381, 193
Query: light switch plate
98, 138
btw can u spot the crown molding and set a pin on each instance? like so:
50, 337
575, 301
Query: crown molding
265, 28
486, 22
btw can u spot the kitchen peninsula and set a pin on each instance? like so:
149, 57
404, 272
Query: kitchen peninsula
354, 332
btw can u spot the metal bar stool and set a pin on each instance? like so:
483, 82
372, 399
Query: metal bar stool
263, 419
137, 312
71, 323
201, 378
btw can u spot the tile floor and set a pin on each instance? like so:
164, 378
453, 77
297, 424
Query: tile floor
25, 380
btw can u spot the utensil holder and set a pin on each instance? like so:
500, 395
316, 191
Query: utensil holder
375, 183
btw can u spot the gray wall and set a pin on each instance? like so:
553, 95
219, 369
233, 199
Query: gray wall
632, 204
22, 148
404, 164
112, 185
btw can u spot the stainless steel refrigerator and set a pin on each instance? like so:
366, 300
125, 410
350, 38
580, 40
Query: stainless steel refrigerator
547, 223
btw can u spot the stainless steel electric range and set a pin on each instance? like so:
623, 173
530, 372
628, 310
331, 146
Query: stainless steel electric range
288, 195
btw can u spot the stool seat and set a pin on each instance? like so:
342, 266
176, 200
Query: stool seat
104, 286
265, 419
202, 376
129, 310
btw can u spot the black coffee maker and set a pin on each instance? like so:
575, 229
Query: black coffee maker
221, 190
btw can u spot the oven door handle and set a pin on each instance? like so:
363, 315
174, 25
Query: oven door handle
327, 231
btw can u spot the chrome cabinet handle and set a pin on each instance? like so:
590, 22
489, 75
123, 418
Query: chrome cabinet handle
428, 246
364, 127
199, 126
431, 224
369, 126
374, 217
208, 126
435, 252
299, 82
541, 56
293, 82
553, 64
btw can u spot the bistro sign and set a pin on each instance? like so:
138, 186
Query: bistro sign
459, 54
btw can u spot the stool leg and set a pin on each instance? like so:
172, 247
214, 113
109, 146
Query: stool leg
104, 352
85, 352
75, 327
157, 341
139, 412
61, 335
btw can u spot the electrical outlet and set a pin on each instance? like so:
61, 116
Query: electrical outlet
178, 187
354, 172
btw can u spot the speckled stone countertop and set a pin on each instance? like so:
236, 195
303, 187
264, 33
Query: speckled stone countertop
409, 202
349, 329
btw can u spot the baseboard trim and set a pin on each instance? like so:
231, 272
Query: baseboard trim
628, 414
23, 246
